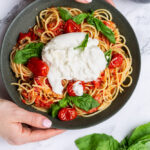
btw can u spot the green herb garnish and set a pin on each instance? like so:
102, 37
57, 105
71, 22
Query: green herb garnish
108, 55
65, 15
138, 140
84, 43
100, 26
84, 102
97, 142
30, 50
80, 18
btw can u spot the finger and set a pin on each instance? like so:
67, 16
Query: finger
111, 2
39, 135
84, 1
32, 119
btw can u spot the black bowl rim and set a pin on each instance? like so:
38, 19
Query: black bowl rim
96, 122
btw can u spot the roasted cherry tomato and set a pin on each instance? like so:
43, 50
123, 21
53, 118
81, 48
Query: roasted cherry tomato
116, 61
38, 67
92, 110
97, 83
40, 30
70, 90
110, 25
30, 34
42, 102
40, 81
71, 26
58, 30
27, 96
66, 114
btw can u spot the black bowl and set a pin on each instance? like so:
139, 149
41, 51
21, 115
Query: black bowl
26, 19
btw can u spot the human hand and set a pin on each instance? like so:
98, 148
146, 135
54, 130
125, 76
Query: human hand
11, 128
89, 1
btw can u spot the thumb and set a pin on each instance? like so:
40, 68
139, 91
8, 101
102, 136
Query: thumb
111, 2
84, 1
32, 119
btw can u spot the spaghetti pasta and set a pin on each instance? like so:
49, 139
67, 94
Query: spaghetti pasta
37, 92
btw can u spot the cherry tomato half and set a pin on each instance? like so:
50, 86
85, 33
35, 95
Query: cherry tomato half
116, 61
70, 88
40, 81
71, 26
42, 102
58, 30
38, 67
30, 35
92, 110
97, 83
66, 114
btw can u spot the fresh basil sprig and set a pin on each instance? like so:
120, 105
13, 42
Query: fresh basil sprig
56, 107
105, 30
65, 15
139, 132
108, 56
97, 142
85, 102
80, 18
138, 140
30, 50
84, 43
100, 26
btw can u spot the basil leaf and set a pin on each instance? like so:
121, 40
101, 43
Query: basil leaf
30, 50
56, 107
65, 15
84, 43
54, 110
80, 18
90, 19
140, 146
139, 132
144, 138
108, 55
63, 103
124, 144
97, 142
105, 30
85, 102
100, 26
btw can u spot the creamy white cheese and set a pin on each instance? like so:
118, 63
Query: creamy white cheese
78, 88
65, 62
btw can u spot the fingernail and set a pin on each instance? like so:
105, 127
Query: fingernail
47, 123
89, 1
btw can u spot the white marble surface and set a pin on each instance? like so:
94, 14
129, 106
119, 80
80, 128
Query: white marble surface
134, 113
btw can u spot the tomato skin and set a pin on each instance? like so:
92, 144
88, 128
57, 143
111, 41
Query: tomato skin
70, 88
40, 30
110, 24
38, 67
29, 34
116, 61
67, 114
42, 102
40, 81
71, 26
92, 110
97, 83
58, 30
